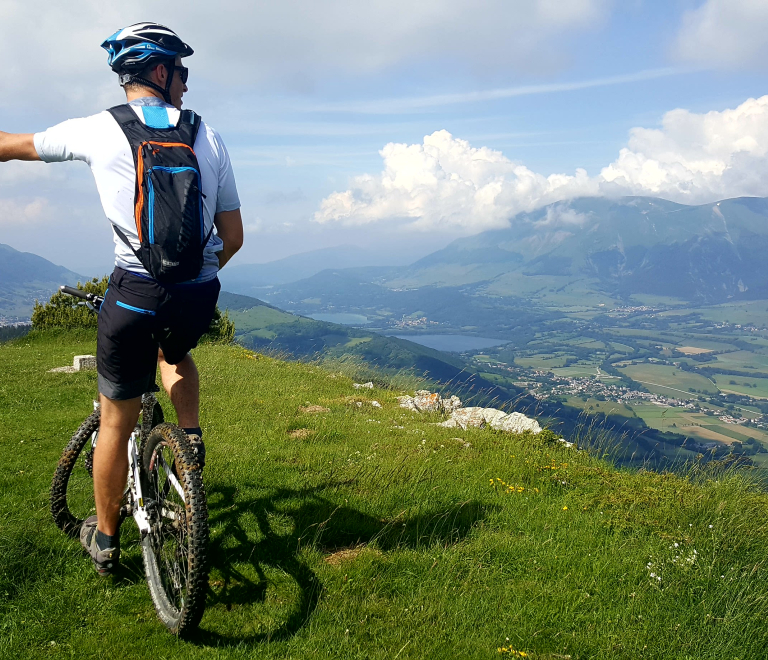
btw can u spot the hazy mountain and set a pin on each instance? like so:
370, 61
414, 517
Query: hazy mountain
586, 251
712, 252
251, 279
25, 277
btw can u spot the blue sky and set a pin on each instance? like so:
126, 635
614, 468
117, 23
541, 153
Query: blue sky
307, 94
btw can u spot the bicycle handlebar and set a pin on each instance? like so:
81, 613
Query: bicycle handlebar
79, 293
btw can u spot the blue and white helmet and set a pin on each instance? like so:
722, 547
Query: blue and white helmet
135, 47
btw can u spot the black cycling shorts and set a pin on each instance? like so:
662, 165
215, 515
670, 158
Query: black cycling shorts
140, 315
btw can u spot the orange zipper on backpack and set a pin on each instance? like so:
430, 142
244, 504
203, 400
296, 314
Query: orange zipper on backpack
140, 177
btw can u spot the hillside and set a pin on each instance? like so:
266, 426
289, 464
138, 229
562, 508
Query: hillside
366, 532
264, 327
24, 278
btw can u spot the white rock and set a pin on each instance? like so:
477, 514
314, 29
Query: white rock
449, 405
427, 401
375, 404
516, 423
469, 417
497, 419
367, 386
407, 402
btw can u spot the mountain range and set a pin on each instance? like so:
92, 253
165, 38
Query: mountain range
585, 251
590, 251
26, 277
710, 253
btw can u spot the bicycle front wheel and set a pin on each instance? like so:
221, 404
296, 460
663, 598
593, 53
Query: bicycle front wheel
72, 487
175, 548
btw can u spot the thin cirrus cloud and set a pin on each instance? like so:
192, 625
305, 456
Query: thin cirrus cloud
421, 103
446, 183
725, 34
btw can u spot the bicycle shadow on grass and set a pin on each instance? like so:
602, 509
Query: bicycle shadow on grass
246, 549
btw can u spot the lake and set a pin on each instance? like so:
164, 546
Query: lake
453, 343
342, 319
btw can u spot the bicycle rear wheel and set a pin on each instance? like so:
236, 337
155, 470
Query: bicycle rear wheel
71, 496
72, 487
175, 548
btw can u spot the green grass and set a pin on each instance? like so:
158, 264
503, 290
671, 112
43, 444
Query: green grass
442, 562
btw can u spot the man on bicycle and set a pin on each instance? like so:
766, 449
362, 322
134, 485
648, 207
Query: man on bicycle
145, 319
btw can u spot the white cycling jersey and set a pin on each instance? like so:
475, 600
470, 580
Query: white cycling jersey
99, 141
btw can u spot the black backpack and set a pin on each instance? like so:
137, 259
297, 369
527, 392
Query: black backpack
169, 198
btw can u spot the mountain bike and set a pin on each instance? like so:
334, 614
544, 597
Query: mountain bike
164, 495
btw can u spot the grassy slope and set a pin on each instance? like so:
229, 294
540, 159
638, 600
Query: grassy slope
452, 566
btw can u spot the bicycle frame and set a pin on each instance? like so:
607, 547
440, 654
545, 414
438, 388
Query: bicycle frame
138, 507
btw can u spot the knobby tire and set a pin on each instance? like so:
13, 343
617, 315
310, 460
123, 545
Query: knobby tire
175, 550
75, 472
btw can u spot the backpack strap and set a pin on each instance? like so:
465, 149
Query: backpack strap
188, 126
125, 240
124, 115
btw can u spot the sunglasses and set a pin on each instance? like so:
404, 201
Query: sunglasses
183, 73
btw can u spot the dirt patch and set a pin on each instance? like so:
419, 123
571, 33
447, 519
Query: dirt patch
692, 350
347, 554
300, 434
311, 410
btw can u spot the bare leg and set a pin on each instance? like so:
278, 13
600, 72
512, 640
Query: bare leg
182, 383
110, 459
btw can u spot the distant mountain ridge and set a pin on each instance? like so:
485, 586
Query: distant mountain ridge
710, 253
26, 277
251, 279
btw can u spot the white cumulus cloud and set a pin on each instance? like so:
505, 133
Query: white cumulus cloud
15, 212
447, 183
696, 157
726, 33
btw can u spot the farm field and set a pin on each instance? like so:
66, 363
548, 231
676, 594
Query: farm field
757, 388
543, 361
745, 361
576, 370
668, 380
593, 406
752, 311
697, 425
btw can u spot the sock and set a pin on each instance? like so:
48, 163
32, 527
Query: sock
103, 541
194, 431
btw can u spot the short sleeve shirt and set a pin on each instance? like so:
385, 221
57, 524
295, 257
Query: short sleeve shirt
99, 141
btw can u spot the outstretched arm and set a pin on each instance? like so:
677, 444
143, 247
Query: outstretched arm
17, 146
229, 228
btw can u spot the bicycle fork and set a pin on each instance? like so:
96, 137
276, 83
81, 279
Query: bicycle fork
139, 505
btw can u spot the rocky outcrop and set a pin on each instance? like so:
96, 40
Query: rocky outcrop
497, 419
426, 401
470, 417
